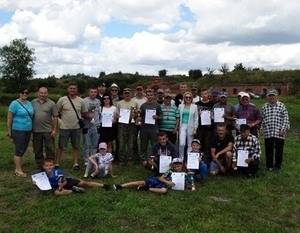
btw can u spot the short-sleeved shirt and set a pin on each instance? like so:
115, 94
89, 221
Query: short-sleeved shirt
22, 120
229, 110
69, 119
168, 122
93, 106
104, 159
153, 106
43, 115
57, 173
123, 104
219, 144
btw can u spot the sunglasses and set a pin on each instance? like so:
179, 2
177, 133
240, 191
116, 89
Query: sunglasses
24, 92
102, 148
114, 90
187, 97
106, 98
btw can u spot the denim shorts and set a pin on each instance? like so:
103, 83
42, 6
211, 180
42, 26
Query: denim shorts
214, 167
21, 140
65, 134
155, 183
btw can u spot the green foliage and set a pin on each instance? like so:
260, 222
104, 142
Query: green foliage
162, 73
195, 74
17, 64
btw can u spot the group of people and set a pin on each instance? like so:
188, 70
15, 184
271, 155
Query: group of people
111, 125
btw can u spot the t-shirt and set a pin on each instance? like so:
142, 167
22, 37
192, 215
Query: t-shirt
153, 106
43, 115
123, 104
104, 159
219, 144
168, 122
21, 119
207, 106
93, 106
57, 173
69, 119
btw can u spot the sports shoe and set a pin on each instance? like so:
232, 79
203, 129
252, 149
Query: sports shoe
76, 167
94, 175
117, 186
85, 176
141, 188
77, 189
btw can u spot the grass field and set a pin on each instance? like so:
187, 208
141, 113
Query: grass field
269, 203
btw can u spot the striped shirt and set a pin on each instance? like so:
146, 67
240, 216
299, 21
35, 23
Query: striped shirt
169, 116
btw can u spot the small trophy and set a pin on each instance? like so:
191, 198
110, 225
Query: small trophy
133, 112
234, 162
191, 175
138, 122
152, 158
92, 109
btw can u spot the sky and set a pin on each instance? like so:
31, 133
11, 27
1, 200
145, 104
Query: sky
93, 36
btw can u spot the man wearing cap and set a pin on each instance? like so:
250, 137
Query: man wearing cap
214, 96
275, 123
170, 119
179, 97
114, 93
101, 90
160, 96
126, 130
248, 112
248, 146
194, 91
229, 111
150, 115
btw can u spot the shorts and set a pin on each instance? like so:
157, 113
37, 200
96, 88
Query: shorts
71, 182
214, 167
65, 134
21, 141
155, 183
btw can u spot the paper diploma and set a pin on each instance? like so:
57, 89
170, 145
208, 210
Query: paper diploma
242, 155
218, 114
149, 116
240, 122
41, 180
164, 163
124, 116
179, 179
205, 118
107, 119
193, 160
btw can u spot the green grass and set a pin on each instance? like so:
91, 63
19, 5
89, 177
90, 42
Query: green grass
269, 203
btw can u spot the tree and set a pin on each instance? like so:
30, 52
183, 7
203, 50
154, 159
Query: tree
195, 74
239, 67
224, 69
210, 71
102, 74
17, 61
162, 73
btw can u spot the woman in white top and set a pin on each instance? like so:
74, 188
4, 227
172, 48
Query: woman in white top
188, 113
108, 133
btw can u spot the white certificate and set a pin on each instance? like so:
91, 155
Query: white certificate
193, 160
164, 163
178, 178
42, 181
107, 119
124, 116
242, 155
149, 116
240, 121
205, 118
218, 114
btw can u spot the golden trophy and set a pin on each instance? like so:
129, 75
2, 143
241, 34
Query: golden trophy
92, 109
133, 113
138, 122
152, 158
192, 180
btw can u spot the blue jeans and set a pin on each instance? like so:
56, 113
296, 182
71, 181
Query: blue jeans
201, 172
90, 143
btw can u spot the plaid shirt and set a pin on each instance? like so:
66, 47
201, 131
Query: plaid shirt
275, 118
251, 144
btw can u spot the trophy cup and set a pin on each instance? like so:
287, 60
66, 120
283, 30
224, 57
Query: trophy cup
234, 162
152, 158
133, 112
191, 175
92, 109
138, 122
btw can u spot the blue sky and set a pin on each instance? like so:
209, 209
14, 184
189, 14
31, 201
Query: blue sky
146, 36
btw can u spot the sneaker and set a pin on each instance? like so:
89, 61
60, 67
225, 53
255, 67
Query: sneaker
93, 175
77, 189
76, 167
141, 188
117, 186
269, 169
106, 187
56, 165
85, 176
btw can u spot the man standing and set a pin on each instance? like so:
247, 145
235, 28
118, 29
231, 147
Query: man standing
179, 97
126, 127
150, 114
69, 125
275, 123
160, 96
247, 146
101, 90
90, 131
44, 126
194, 91
221, 151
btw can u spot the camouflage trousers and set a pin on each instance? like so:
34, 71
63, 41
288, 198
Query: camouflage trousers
126, 137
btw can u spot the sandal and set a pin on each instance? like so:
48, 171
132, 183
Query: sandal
20, 174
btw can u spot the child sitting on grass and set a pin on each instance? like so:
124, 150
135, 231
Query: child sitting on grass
160, 184
63, 185
102, 162
201, 172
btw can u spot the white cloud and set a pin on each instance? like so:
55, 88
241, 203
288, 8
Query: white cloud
69, 35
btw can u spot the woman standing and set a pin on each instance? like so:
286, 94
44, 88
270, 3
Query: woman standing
188, 122
19, 126
108, 112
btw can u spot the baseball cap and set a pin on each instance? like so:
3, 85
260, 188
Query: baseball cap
160, 91
196, 141
241, 93
245, 95
139, 87
168, 95
177, 160
223, 94
114, 86
194, 87
102, 145
272, 92
214, 93
244, 127
102, 84
127, 90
